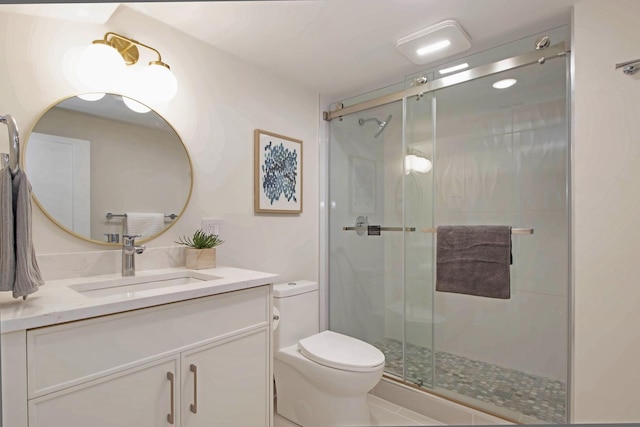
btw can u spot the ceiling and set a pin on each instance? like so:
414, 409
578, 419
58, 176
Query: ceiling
335, 47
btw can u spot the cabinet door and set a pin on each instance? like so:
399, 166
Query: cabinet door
142, 397
227, 383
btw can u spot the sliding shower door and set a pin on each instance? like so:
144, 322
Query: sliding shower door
366, 263
502, 159
489, 150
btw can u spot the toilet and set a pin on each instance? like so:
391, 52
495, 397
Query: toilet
322, 378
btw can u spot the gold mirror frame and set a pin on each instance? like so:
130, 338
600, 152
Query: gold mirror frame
23, 162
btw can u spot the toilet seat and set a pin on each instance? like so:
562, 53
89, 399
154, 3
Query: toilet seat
339, 351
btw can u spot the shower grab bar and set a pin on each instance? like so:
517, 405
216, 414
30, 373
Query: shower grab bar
513, 230
110, 215
13, 159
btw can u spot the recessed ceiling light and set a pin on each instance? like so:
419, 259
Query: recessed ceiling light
433, 43
503, 84
454, 68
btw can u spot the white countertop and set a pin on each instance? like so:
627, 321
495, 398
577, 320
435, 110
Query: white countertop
55, 302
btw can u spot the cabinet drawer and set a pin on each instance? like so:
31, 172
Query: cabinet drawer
64, 355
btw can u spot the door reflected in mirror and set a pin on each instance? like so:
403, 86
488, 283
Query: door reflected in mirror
88, 156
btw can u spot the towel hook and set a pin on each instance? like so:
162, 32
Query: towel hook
14, 142
629, 67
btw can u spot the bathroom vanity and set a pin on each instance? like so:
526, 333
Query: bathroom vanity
169, 347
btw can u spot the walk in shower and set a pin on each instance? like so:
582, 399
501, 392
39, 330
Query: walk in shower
458, 151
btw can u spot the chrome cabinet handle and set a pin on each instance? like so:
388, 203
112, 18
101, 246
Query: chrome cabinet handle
194, 406
170, 416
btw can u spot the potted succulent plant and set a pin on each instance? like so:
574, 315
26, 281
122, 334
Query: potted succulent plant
200, 249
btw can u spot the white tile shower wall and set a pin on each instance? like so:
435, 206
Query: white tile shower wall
220, 101
486, 174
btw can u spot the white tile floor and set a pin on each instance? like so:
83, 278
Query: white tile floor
383, 413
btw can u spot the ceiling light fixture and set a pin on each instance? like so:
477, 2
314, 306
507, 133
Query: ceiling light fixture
503, 84
105, 61
435, 42
433, 47
454, 68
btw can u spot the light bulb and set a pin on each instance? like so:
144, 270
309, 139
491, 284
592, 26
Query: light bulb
422, 165
158, 83
96, 96
413, 163
135, 105
99, 66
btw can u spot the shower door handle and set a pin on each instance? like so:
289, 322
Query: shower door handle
371, 227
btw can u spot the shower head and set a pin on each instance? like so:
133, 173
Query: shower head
381, 125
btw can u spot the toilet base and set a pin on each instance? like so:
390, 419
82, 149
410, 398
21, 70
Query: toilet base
303, 403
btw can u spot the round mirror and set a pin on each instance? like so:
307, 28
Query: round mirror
103, 166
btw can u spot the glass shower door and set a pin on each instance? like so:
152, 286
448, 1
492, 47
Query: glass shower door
366, 269
502, 159
419, 246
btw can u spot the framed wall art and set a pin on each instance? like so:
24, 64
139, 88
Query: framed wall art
277, 173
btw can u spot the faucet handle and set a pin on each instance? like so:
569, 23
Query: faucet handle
129, 239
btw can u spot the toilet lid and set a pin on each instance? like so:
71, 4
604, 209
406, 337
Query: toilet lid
341, 352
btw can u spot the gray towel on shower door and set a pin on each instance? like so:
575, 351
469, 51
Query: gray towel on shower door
474, 260
7, 247
28, 277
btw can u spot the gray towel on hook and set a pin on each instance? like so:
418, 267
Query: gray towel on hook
7, 234
474, 260
28, 277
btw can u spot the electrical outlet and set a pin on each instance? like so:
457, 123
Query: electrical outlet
212, 226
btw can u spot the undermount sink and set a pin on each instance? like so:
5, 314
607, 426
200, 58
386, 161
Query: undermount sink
126, 285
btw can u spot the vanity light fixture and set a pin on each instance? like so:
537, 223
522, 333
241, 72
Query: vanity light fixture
503, 84
416, 161
135, 106
435, 42
105, 62
95, 96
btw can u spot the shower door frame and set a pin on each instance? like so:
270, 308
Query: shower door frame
540, 57
558, 50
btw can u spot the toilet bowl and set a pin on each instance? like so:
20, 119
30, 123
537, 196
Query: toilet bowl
322, 378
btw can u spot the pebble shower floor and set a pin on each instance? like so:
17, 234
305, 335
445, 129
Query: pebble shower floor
537, 397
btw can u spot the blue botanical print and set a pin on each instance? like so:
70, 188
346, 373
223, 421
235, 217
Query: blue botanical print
279, 172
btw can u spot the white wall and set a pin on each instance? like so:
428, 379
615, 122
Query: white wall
606, 201
220, 101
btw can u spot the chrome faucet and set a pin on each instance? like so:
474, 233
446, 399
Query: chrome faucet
129, 250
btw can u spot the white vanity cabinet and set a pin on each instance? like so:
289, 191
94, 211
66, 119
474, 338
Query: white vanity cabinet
137, 397
200, 362
224, 382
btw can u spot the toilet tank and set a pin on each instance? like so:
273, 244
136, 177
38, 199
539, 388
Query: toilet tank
299, 311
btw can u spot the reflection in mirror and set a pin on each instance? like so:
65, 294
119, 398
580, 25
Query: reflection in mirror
90, 158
